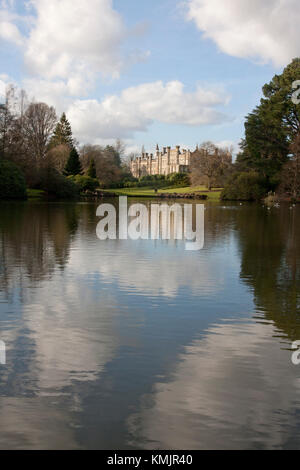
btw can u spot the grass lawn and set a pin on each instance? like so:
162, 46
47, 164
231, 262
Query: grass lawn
35, 193
146, 191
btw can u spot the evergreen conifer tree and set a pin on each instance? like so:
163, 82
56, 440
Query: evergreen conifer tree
92, 169
62, 134
73, 166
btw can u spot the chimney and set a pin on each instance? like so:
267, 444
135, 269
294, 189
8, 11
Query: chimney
177, 154
169, 155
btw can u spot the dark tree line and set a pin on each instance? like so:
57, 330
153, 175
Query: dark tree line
270, 150
34, 139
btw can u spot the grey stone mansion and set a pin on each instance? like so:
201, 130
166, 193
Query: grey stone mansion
163, 163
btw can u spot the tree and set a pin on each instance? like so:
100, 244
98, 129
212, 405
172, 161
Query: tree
92, 169
38, 124
113, 153
6, 122
290, 175
14, 142
272, 126
208, 164
244, 186
73, 166
62, 134
107, 171
120, 148
12, 182
57, 185
57, 157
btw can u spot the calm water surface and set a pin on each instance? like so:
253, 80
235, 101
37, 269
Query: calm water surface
143, 345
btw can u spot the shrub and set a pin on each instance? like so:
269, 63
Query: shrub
156, 181
153, 181
179, 179
56, 185
12, 181
85, 183
245, 187
129, 184
92, 171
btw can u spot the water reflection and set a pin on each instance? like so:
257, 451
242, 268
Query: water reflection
123, 344
270, 254
226, 392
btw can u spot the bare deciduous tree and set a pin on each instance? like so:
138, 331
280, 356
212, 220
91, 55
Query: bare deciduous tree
58, 156
209, 163
6, 121
38, 124
106, 168
120, 147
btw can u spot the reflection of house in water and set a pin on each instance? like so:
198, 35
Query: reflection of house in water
164, 163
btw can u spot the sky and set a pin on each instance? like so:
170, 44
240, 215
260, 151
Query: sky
167, 72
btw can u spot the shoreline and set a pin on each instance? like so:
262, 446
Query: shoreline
203, 197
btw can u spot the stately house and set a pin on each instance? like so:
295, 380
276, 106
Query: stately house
163, 163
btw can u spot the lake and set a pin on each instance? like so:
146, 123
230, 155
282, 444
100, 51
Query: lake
123, 344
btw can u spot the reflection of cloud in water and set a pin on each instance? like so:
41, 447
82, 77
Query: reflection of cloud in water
72, 332
68, 329
224, 393
64, 337
34, 424
161, 270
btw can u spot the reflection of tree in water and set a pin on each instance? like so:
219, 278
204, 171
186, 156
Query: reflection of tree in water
271, 263
34, 239
63, 225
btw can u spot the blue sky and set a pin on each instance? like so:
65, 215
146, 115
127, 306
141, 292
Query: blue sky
166, 71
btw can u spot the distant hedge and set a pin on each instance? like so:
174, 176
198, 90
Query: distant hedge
245, 186
12, 181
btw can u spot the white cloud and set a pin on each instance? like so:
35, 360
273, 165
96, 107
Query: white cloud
8, 29
138, 107
134, 110
69, 42
3, 86
262, 30
71, 38
9, 32
56, 93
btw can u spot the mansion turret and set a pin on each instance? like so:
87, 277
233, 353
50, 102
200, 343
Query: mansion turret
163, 163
